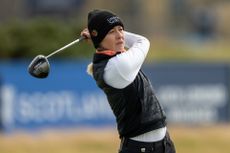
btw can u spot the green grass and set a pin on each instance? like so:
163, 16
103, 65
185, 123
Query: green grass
204, 139
169, 50
208, 139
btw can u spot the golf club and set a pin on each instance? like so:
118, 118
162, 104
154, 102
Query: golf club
40, 67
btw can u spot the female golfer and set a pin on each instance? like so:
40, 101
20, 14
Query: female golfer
116, 68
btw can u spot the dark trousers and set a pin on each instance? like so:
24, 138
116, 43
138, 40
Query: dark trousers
164, 146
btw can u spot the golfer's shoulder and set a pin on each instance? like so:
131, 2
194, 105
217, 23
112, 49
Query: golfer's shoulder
136, 39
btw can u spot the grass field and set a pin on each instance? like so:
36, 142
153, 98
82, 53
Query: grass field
205, 139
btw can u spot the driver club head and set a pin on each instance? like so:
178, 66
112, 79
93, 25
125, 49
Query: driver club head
39, 67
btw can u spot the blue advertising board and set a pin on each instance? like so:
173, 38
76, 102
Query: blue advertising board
192, 93
69, 97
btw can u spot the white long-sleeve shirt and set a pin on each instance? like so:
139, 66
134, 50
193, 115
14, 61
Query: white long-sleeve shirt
121, 70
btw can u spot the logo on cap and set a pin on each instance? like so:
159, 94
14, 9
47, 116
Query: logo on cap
113, 19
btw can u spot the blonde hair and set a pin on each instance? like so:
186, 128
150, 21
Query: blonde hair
90, 69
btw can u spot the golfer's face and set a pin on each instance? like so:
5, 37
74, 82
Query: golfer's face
114, 40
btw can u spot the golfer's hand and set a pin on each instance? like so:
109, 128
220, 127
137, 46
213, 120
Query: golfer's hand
86, 34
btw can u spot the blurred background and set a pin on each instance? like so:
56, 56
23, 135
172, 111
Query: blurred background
188, 64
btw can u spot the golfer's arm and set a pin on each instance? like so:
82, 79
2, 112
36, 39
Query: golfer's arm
122, 69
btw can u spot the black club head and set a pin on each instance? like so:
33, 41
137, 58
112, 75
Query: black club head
39, 67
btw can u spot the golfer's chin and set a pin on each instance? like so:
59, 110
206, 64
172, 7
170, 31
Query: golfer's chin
120, 48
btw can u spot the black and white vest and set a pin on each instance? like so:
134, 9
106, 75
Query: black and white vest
135, 107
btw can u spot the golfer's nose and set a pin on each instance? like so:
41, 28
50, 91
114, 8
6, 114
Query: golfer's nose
119, 34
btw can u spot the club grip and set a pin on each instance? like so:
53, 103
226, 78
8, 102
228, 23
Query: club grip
81, 38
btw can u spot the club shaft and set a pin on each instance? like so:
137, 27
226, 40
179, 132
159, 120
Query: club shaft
66, 46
